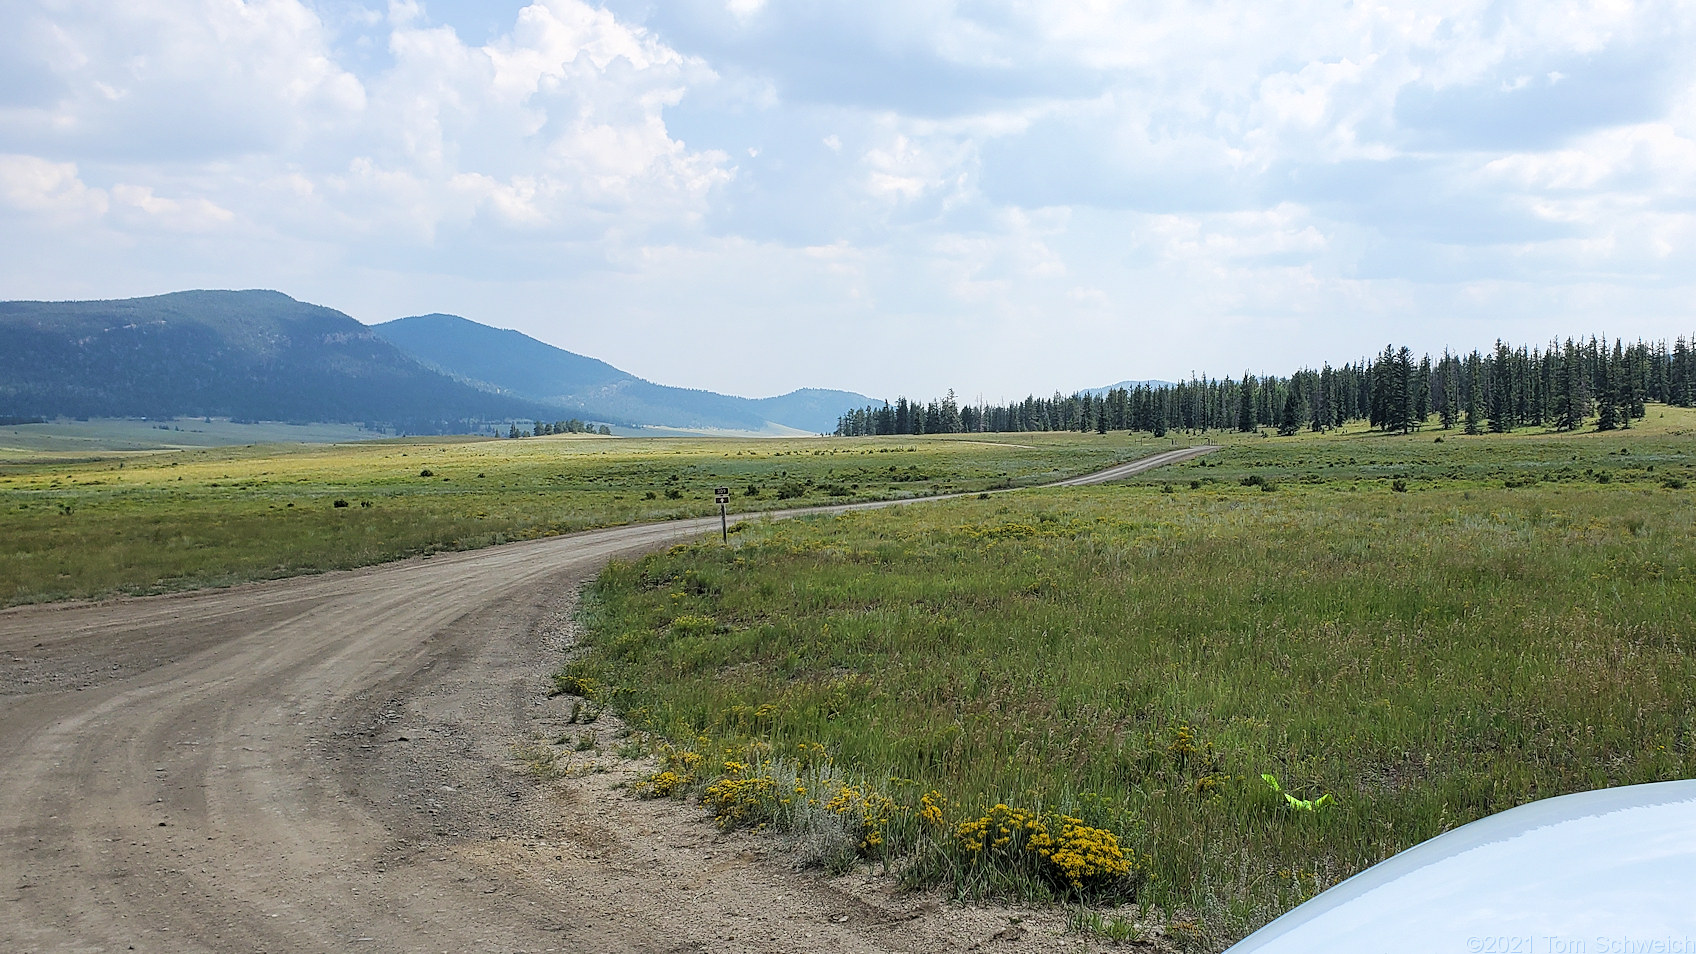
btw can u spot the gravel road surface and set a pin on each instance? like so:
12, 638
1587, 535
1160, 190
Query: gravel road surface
1138, 466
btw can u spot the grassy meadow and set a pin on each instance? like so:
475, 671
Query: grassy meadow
69, 439
1426, 632
82, 520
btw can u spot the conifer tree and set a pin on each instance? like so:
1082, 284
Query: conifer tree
1324, 399
948, 416
1501, 390
1449, 371
1573, 398
1621, 378
1422, 392
1475, 394
1630, 397
1246, 421
1289, 422
1402, 387
1679, 374
1607, 417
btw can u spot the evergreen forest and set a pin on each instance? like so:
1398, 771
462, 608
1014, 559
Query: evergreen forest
1564, 386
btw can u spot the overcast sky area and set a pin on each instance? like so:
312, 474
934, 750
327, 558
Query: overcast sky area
888, 197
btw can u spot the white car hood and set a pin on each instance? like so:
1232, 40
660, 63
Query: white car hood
1606, 872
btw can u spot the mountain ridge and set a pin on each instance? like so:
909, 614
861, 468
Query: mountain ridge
515, 363
253, 355
259, 354
1127, 386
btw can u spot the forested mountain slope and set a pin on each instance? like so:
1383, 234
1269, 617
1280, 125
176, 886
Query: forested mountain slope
251, 355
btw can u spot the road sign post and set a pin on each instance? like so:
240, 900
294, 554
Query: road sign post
722, 494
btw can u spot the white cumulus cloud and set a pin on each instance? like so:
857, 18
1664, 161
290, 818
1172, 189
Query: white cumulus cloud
35, 185
1065, 193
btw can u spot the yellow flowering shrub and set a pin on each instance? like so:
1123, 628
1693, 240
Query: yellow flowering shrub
1085, 855
566, 684
866, 813
684, 760
931, 808
741, 797
1060, 848
680, 769
841, 819
748, 718
1183, 744
662, 784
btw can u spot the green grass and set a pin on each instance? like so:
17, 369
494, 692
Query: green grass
1654, 450
106, 522
99, 436
1140, 655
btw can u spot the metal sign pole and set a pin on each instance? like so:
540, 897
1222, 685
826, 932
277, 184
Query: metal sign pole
722, 494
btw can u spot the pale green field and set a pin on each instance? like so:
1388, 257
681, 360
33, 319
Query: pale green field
68, 438
141, 522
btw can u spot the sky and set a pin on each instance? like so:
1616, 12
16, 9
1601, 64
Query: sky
888, 196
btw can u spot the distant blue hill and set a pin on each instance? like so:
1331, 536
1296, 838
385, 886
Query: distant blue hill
518, 365
1128, 386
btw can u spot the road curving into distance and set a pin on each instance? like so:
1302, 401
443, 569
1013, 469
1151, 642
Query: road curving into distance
325, 763
1135, 467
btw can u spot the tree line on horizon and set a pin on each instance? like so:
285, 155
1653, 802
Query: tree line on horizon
1561, 386
545, 428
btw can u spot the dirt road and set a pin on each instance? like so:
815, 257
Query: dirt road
332, 763
1138, 466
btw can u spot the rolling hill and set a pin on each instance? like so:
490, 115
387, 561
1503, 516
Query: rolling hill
263, 356
521, 366
1127, 386
247, 355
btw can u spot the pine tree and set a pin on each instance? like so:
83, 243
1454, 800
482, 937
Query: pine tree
1246, 421
1631, 383
1623, 375
1679, 374
1449, 371
1378, 403
1660, 385
1289, 422
1572, 396
1402, 386
948, 416
1607, 417
1422, 392
1475, 394
1324, 399
1501, 393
